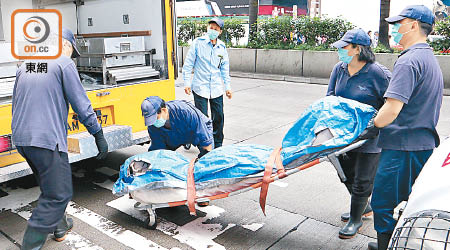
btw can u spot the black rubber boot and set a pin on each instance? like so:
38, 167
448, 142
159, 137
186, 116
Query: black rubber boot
382, 242
372, 246
346, 216
63, 227
357, 207
367, 212
33, 239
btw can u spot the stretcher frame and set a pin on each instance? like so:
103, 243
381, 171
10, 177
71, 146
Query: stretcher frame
151, 221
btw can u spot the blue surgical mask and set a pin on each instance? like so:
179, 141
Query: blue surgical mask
343, 55
397, 36
213, 34
160, 122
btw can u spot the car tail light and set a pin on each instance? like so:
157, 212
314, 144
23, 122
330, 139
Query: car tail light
5, 143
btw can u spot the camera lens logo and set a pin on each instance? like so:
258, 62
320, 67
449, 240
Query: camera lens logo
36, 29
36, 34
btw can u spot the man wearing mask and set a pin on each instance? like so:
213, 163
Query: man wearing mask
176, 123
40, 109
208, 58
408, 118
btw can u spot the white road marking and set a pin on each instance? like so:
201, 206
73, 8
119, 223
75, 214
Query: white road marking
18, 200
280, 184
198, 234
254, 226
111, 229
108, 184
126, 205
78, 242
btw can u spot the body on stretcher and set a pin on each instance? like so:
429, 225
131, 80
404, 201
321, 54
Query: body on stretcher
328, 128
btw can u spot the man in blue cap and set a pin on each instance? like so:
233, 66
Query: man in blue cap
408, 118
176, 123
40, 107
208, 58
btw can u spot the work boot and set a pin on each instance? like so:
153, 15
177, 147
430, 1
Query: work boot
357, 207
382, 241
33, 239
63, 228
367, 212
372, 246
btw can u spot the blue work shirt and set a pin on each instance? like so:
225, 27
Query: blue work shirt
40, 105
211, 65
366, 86
417, 82
186, 125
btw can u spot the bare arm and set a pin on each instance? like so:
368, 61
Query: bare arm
388, 113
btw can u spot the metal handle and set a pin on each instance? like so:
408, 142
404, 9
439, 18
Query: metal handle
334, 160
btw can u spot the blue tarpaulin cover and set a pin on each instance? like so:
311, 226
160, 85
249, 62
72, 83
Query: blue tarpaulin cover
345, 119
169, 169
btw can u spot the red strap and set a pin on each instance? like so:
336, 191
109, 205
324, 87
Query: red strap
280, 168
273, 158
191, 193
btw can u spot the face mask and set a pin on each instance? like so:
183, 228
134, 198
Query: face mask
160, 122
343, 56
397, 36
213, 34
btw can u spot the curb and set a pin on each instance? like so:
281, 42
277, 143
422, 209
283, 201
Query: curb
296, 79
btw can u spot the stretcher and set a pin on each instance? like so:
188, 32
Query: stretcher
328, 128
145, 203
425, 220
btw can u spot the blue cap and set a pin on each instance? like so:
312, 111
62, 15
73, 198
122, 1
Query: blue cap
150, 108
68, 35
217, 21
354, 36
417, 12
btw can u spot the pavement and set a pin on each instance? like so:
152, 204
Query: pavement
303, 210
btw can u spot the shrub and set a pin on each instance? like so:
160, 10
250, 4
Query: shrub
275, 33
328, 29
233, 28
189, 29
442, 28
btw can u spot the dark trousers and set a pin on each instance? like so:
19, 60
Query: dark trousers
360, 169
54, 176
217, 116
393, 183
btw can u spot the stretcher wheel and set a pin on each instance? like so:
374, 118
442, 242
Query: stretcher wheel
150, 222
187, 146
